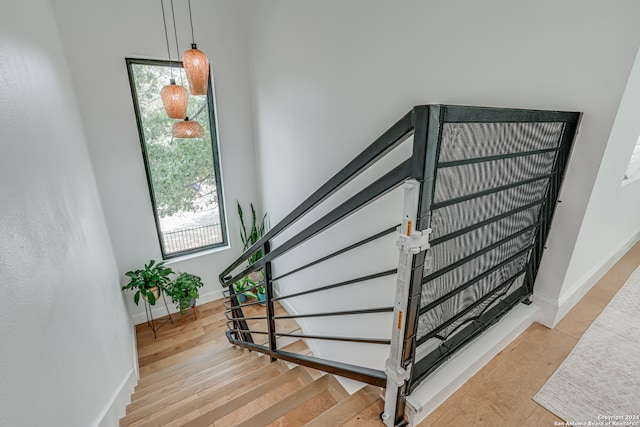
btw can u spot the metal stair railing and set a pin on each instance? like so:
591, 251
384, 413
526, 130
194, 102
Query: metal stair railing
239, 331
529, 134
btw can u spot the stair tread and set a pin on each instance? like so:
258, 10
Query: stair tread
209, 399
284, 406
189, 386
204, 358
185, 371
346, 409
369, 417
266, 389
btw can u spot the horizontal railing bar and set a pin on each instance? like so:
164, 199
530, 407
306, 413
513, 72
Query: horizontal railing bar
251, 331
327, 314
481, 224
315, 337
473, 281
244, 304
467, 114
453, 163
461, 199
381, 146
386, 183
338, 313
333, 338
231, 319
481, 252
250, 318
340, 252
339, 284
476, 303
359, 373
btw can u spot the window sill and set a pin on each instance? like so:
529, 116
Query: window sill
196, 255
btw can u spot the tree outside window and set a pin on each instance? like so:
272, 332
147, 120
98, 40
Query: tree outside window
183, 173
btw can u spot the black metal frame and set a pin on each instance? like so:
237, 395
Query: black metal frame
213, 127
470, 329
426, 124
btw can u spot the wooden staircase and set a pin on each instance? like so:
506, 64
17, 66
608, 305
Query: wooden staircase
191, 376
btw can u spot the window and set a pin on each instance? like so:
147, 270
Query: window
183, 174
633, 169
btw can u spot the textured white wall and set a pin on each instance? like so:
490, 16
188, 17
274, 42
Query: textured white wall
66, 340
612, 219
97, 36
330, 76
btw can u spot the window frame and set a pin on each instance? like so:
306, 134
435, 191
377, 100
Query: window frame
213, 127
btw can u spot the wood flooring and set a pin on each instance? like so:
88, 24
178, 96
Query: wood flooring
191, 376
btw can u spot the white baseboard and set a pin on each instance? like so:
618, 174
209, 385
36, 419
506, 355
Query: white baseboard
553, 310
117, 406
549, 308
445, 380
159, 309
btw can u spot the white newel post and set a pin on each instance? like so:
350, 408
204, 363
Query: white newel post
410, 242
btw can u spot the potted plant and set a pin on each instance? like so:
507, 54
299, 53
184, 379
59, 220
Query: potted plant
184, 291
148, 281
260, 294
249, 237
246, 287
243, 289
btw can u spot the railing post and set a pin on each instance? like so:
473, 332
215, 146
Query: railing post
238, 315
412, 244
268, 289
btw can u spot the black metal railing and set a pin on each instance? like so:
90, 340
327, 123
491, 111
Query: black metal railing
192, 237
528, 200
499, 173
240, 330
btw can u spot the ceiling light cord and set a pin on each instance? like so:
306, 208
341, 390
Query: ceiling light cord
193, 39
166, 36
175, 32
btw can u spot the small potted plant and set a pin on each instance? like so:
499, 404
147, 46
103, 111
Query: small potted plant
243, 289
249, 237
184, 291
260, 294
148, 281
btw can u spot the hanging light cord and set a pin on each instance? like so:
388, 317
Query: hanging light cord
175, 32
166, 36
197, 113
193, 39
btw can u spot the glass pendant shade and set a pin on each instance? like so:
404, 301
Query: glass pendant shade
175, 99
196, 65
187, 129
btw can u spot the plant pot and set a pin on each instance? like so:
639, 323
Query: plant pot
261, 298
191, 303
155, 291
241, 298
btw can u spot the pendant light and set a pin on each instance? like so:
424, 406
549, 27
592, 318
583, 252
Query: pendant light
174, 97
187, 129
196, 65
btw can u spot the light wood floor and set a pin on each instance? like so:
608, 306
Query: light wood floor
187, 368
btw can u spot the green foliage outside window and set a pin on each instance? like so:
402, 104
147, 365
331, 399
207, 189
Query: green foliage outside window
182, 169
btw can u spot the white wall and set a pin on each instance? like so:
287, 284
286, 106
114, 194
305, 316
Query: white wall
330, 76
612, 219
67, 345
97, 36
